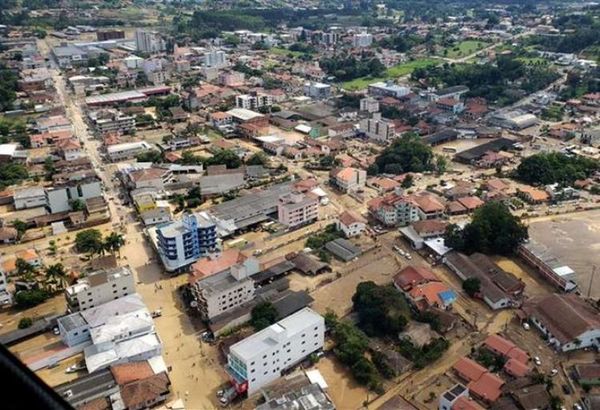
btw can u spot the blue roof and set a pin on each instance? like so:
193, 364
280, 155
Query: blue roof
447, 296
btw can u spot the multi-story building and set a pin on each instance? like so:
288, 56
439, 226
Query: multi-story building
253, 101
260, 358
330, 38
378, 128
60, 197
394, 210
348, 179
297, 209
369, 104
127, 150
183, 242
317, 90
149, 42
99, 287
5, 296
215, 58
388, 89
362, 40
112, 121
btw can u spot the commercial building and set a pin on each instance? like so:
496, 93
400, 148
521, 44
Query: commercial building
514, 120
318, 91
297, 209
260, 358
112, 121
388, 89
127, 150
548, 266
149, 42
68, 56
25, 198
362, 40
377, 128
99, 287
454, 92
567, 321
183, 242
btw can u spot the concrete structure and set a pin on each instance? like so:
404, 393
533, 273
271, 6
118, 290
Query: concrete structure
351, 223
548, 266
99, 287
348, 179
451, 396
297, 209
454, 92
215, 58
253, 101
388, 89
515, 120
149, 42
183, 242
60, 197
369, 105
317, 90
377, 128
260, 358
25, 198
112, 121
362, 40
127, 150
5, 296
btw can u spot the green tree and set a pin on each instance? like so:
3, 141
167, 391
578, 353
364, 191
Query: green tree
114, 242
258, 158
90, 242
225, 157
25, 270
77, 205
406, 154
382, 310
548, 168
25, 322
471, 286
49, 168
408, 181
30, 298
56, 273
263, 315
20, 226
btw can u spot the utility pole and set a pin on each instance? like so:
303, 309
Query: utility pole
589, 292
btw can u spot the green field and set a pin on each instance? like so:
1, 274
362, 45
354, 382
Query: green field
464, 48
392, 72
284, 52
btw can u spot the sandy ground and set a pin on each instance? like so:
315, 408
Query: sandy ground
345, 393
575, 240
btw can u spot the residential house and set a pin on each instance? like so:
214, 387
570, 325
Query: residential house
348, 179
533, 195
351, 224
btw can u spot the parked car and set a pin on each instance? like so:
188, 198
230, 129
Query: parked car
56, 330
537, 361
526, 326
156, 313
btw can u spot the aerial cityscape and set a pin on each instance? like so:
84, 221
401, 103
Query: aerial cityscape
310, 205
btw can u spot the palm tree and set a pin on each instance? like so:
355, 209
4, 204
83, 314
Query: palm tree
114, 242
25, 270
56, 273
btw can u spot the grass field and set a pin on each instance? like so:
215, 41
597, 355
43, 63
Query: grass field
284, 52
392, 72
464, 48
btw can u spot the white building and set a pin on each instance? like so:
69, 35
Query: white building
317, 90
215, 58
260, 358
388, 89
369, 105
5, 296
60, 198
297, 209
377, 128
32, 197
99, 287
149, 42
348, 179
351, 224
127, 150
362, 40
253, 101
110, 120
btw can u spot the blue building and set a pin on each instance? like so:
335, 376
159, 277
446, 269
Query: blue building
183, 242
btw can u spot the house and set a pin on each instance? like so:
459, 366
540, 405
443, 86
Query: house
471, 203
482, 384
348, 179
533, 195
99, 287
567, 321
8, 235
431, 294
69, 149
468, 370
145, 392
429, 205
31, 197
351, 223
515, 357
587, 373
420, 231
412, 276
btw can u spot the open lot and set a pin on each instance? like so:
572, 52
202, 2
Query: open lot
464, 48
575, 240
399, 70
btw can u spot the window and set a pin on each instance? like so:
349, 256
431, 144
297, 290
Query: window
253, 380
303, 334
114, 291
114, 285
252, 371
316, 327
304, 341
124, 287
252, 363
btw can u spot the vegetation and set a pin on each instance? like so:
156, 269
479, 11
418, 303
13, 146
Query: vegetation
25, 322
578, 84
20, 226
318, 240
471, 286
406, 154
8, 87
348, 67
424, 355
489, 360
382, 310
492, 230
263, 315
153, 156
89, 241
552, 167
259, 158
398, 70
12, 173
56, 274
464, 48
30, 298
14, 130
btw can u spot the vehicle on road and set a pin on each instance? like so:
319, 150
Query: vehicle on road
526, 326
227, 396
156, 313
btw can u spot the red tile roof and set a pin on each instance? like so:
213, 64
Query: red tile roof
130, 372
471, 202
210, 265
347, 218
516, 368
413, 275
137, 394
469, 369
487, 387
429, 292
466, 403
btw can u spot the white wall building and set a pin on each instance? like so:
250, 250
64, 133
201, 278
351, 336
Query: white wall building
362, 40
149, 42
351, 224
369, 105
253, 102
127, 150
60, 198
260, 358
5, 296
32, 197
215, 58
317, 90
99, 287
378, 128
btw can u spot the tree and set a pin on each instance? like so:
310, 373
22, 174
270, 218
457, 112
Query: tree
25, 270
114, 242
77, 205
225, 157
30, 298
382, 310
471, 286
49, 168
56, 273
441, 164
25, 322
406, 154
492, 230
90, 242
408, 181
258, 158
549, 168
263, 315
20, 226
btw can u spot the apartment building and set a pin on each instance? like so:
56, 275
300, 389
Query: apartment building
215, 58
127, 150
377, 128
5, 296
317, 90
260, 358
149, 42
348, 179
369, 104
362, 40
183, 242
99, 287
253, 101
394, 210
112, 121
297, 209
60, 197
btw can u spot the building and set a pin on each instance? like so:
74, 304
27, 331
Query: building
59, 198
296, 209
532, 195
260, 358
548, 266
394, 210
149, 42
68, 56
104, 35
567, 321
301, 392
253, 101
351, 223
454, 92
388, 89
32, 197
452, 398
514, 120
369, 104
420, 231
482, 384
112, 121
362, 40
99, 287
348, 179
318, 91
5, 295
377, 128
183, 242
69, 149
127, 150
215, 58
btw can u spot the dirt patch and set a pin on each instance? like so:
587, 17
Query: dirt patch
343, 389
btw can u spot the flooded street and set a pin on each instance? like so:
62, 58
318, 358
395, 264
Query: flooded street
575, 240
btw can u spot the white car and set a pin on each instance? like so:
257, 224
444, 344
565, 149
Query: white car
553, 372
526, 326
537, 361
